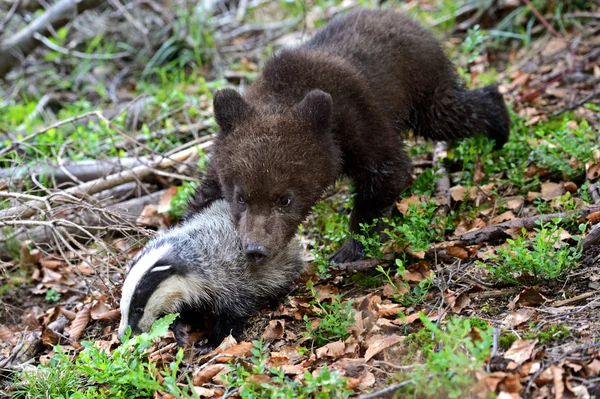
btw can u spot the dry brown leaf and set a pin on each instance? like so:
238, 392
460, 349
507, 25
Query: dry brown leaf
332, 349
508, 215
388, 309
241, 350
593, 171
78, 325
204, 392
6, 334
367, 380
459, 252
418, 272
325, 292
164, 204
559, 386
514, 203
458, 193
551, 190
406, 320
274, 330
517, 318
379, 343
293, 369
530, 297
389, 290
520, 351
593, 368
207, 373
98, 310
593, 217
511, 384
402, 206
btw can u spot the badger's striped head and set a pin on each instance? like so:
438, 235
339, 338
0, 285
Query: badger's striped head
156, 285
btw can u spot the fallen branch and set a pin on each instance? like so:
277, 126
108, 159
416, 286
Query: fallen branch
94, 186
498, 231
24, 42
81, 170
592, 238
41, 232
574, 300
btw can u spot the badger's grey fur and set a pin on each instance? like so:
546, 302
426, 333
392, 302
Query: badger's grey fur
200, 271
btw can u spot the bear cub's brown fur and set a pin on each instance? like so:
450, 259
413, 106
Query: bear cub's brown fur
338, 105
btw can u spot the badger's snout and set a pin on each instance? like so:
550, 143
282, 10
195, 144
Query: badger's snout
255, 252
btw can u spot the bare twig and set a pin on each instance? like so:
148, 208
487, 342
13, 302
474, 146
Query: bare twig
577, 103
24, 42
117, 217
79, 54
139, 172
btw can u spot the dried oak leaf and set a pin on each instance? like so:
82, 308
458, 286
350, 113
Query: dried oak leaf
378, 343
530, 297
164, 203
207, 373
274, 330
332, 349
551, 190
520, 351
514, 319
78, 325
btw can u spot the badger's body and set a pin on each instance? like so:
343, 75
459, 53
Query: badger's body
200, 271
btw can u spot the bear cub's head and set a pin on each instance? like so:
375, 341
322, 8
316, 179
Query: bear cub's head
274, 162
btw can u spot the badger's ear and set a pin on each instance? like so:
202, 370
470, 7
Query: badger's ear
317, 109
230, 109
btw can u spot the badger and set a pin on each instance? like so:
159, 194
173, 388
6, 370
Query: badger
199, 270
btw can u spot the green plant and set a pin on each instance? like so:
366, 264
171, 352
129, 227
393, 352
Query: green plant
52, 295
543, 257
95, 373
452, 358
424, 184
472, 45
180, 200
325, 384
335, 317
409, 296
416, 229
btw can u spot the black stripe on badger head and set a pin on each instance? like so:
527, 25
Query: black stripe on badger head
162, 270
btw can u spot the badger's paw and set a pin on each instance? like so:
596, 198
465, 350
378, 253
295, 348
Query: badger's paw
351, 251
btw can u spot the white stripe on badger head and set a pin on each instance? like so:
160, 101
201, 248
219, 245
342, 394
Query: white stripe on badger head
160, 268
137, 271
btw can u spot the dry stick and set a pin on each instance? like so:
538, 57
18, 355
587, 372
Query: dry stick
52, 46
575, 299
592, 238
577, 104
442, 186
24, 42
139, 172
40, 232
498, 231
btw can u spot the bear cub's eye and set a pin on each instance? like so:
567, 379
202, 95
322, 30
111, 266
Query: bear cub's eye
285, 200
138, 310
241, 200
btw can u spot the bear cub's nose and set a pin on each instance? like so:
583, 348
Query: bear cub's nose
256, 253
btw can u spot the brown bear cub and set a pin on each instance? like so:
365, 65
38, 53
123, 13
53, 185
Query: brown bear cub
337, 105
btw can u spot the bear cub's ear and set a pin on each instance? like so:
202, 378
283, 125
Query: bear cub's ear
230, 109
317, 109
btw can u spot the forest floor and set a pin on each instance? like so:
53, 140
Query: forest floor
489, 284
